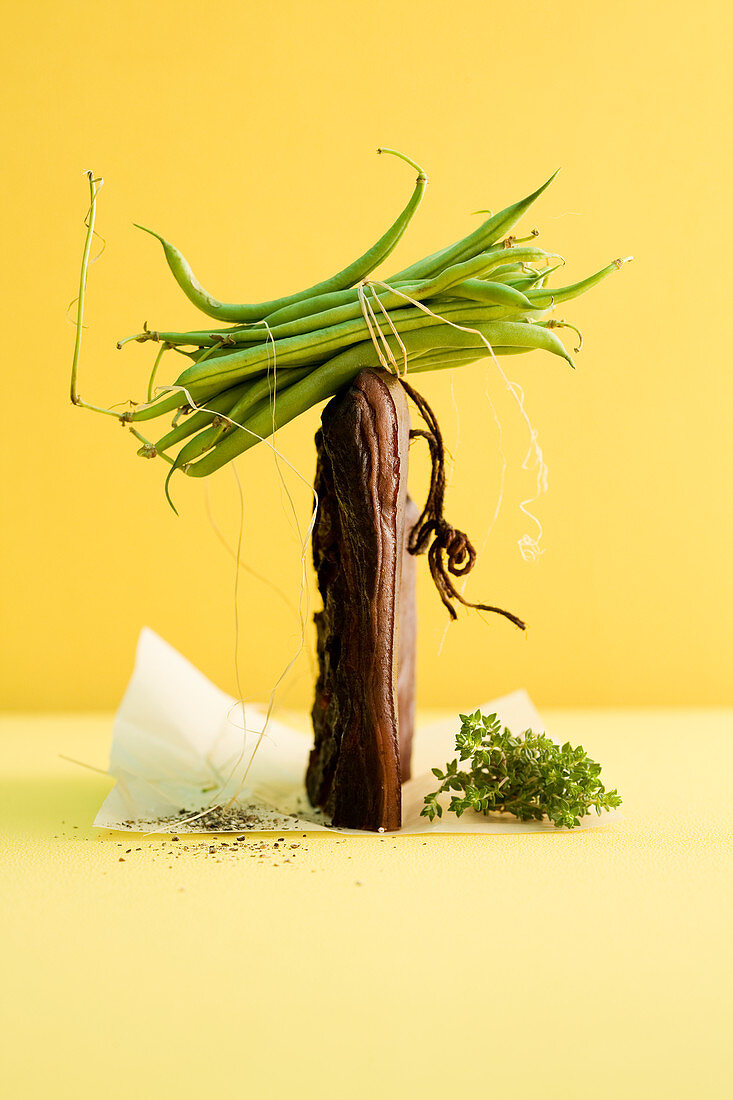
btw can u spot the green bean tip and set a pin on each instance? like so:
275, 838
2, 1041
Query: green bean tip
166, 487
150, 231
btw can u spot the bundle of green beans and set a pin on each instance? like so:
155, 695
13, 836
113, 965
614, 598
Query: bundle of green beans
487, 293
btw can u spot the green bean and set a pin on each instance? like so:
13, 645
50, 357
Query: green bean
198, 446
517, 279
549, 297
519, 334
206, 338
209, 437
349, 275
265, 337
463, 311
482, 238
524, 275
479, 290
167, 402
442, 359
500, 273
179, 337
222, 403
249, 402
533, 281
319, 303
521, 255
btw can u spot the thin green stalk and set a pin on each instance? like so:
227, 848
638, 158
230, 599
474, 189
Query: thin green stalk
75, 398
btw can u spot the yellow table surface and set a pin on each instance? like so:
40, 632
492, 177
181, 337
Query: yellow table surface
592, 964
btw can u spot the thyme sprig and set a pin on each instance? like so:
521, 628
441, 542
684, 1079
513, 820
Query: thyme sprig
528, 776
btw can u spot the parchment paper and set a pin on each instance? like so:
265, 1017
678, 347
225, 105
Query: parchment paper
178, 748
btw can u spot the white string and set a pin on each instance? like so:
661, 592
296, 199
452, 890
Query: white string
233, 554
374, 330
530, 548
395, 333
499, 501
213, 804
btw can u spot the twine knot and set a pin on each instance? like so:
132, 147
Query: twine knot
458, 547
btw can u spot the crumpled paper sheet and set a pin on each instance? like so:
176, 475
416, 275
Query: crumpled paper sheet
178, 748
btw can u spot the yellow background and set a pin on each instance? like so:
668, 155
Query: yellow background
246, 134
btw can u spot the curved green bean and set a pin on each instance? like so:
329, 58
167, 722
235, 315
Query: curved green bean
500, 294
352, 273
548, 297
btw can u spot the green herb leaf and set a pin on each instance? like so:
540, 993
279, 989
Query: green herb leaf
528, 776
